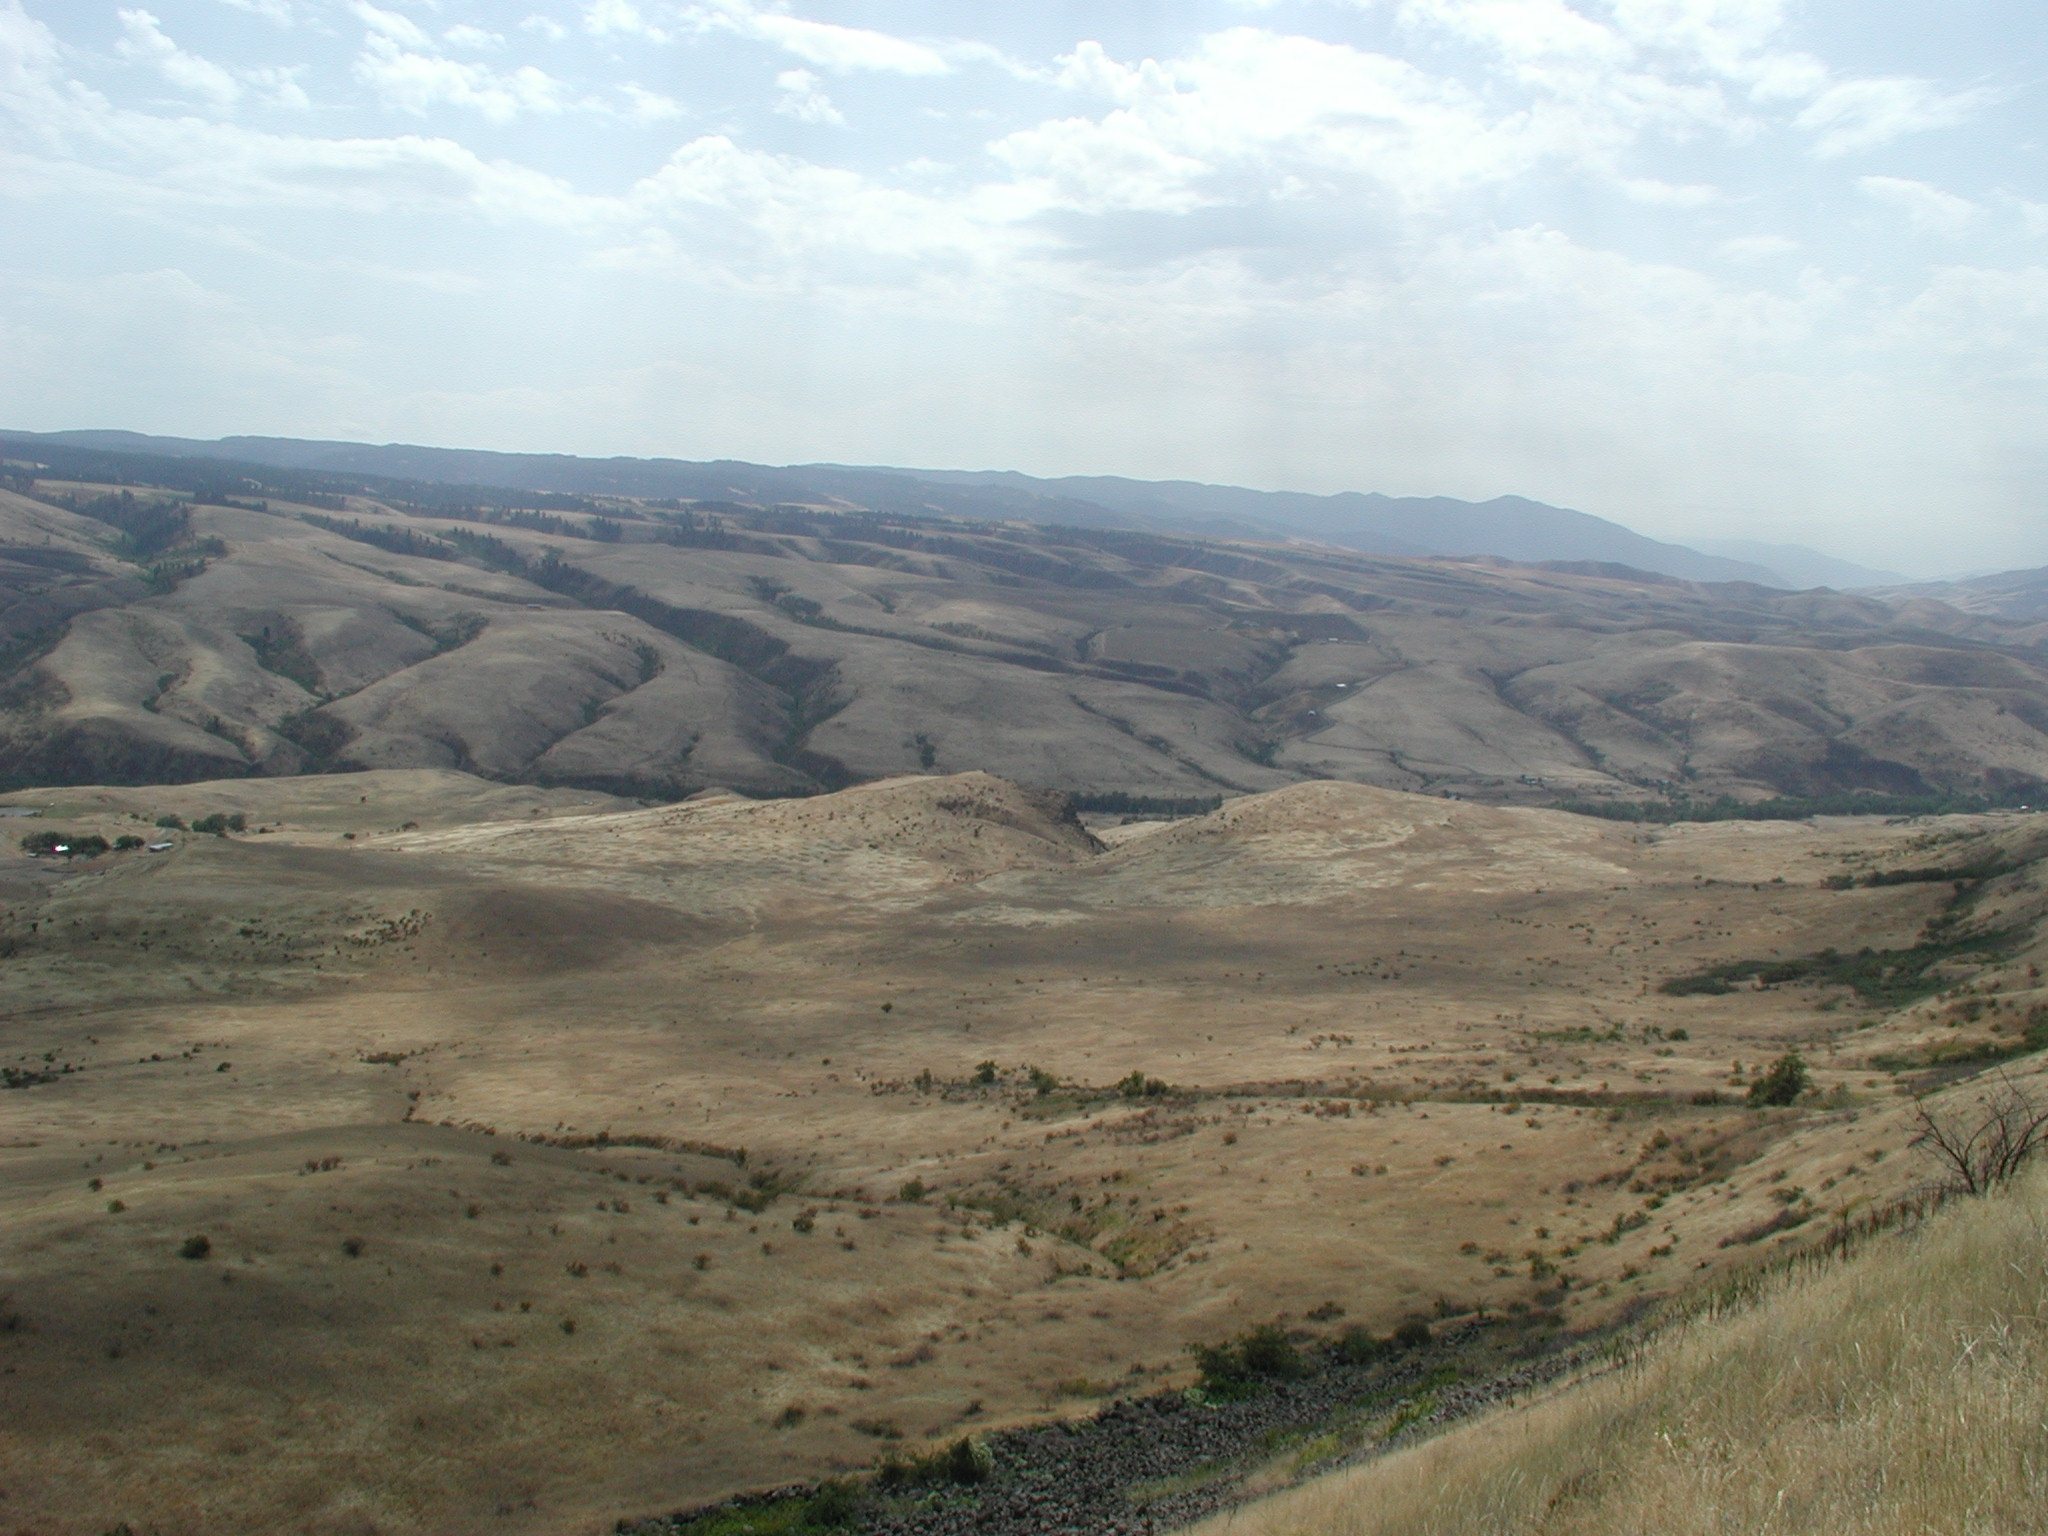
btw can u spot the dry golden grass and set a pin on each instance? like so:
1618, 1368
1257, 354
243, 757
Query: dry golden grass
1902, 1391
1362, 998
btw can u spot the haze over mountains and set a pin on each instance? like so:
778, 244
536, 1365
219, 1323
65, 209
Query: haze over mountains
1510, 527
187, 617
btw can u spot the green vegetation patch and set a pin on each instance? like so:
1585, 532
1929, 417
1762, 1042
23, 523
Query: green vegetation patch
834, 1507
280, 647
1884, 977
1246, 1365
1802, 807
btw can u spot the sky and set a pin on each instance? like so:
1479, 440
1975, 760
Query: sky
1710, 268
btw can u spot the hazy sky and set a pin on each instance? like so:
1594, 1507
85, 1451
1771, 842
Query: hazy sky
1736, 267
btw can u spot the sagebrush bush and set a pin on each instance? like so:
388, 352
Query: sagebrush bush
1234, 1369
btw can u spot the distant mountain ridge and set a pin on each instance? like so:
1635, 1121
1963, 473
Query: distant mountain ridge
1507, 527
1803, 567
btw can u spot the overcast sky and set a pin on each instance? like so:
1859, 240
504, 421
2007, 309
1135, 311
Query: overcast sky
1706, 267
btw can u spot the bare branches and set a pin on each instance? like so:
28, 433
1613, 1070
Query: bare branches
1982, 1146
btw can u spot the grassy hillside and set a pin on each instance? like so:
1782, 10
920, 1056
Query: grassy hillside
1897, 1392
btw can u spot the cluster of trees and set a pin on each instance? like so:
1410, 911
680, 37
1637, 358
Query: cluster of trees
50, 842
148, 525
90, 846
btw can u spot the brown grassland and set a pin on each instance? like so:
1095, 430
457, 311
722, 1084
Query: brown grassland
560, 1160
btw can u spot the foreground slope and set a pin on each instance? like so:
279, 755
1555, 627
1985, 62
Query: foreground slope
1900, 1392
661, 1153
208, 630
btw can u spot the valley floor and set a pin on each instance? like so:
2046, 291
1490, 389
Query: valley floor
559, 1160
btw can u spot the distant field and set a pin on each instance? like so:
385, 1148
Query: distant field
559, 1159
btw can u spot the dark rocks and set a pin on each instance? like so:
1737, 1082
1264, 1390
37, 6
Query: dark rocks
1115, 1474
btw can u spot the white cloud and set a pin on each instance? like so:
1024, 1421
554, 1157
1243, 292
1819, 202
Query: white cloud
645, 106
1929, 209
1664, 194
278, 11
620, 18
1992, 323
476, 39
801, 99
416, 82
1522, 29
1754, 248
390, 25
825, 44
1248, 103
279, 85
1860, 114
1736, 40
1118, 163
144, 41
545, 26
792, 209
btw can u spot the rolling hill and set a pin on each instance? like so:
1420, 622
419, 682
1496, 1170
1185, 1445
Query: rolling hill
182, 618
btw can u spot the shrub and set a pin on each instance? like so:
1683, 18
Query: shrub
173, 823
1360, 1346
1982, 1147
1412, 1334
969, 1460
352, 1246
197, 1246
911, 1191
985, 1073
1240, 1367
966, 1461
126, 842
835, 1504
1782, 1083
